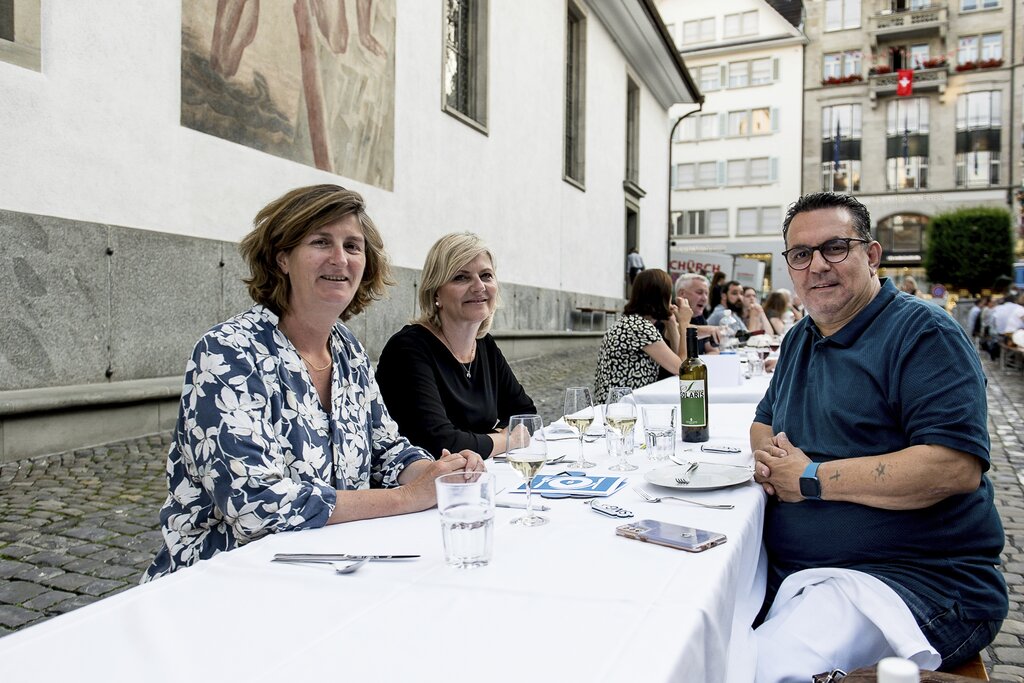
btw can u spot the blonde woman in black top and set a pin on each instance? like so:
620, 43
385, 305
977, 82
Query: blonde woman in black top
443, 378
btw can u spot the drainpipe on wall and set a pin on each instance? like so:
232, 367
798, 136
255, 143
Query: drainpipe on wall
1011, 192
668, 216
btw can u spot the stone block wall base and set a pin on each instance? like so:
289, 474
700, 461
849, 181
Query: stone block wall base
28, 435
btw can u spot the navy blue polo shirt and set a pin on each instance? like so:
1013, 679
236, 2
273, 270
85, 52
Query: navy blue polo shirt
901, 373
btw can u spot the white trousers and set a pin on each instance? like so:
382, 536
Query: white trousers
824, 619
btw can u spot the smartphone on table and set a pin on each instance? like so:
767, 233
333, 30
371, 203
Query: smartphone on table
685, 538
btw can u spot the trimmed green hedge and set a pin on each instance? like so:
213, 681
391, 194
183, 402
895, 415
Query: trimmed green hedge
969, 248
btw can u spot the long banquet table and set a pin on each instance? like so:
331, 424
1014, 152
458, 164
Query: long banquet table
667, 391
566, 601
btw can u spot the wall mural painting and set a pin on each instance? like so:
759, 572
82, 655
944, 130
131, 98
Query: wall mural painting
310, 80
19, 33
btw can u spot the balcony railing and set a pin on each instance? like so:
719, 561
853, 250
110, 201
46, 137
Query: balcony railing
882, 85
930, 20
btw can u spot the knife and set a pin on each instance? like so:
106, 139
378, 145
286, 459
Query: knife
336, 557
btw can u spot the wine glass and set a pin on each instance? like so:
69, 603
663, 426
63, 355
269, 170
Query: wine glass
620, 415
527, 452
579, 414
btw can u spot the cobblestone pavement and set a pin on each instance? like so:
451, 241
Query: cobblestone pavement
76, 527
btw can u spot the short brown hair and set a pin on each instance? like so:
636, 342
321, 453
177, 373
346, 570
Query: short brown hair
445, 258
282, 224
776, 305
651, 294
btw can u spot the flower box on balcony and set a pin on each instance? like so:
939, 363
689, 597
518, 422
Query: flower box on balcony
990, 63
879, 69
933, 63
840, 80
966, 66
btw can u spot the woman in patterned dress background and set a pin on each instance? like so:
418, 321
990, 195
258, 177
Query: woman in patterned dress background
633, 349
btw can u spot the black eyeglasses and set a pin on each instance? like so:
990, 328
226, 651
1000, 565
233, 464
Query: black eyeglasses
834, 251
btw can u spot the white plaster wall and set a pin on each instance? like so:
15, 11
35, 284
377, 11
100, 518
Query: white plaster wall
96, 136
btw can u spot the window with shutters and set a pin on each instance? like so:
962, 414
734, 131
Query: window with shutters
740, 24
718, 223
686, 175
840, 147
842, 14
465, 61
761, 71
978, 138
761, 220
707, 174
710, 77
752, 72
632, 131
841, 64
739, 123
761, 121
699, 31
575, 73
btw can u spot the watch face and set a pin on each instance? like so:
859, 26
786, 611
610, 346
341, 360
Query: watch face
810, 487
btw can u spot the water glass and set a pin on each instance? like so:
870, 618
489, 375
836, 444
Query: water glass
755, 365
660, 431
466, 503
620, 415
613, 442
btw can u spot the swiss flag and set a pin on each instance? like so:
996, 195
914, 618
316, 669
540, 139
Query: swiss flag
904, 82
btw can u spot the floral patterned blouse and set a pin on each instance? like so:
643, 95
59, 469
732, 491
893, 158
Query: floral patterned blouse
254, 453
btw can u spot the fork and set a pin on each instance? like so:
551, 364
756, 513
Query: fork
691, 468
657, 499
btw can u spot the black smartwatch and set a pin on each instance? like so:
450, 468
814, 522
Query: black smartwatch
810, 485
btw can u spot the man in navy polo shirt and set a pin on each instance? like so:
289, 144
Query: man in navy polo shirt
872, 444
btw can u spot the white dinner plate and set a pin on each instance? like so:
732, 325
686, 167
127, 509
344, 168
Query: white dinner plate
708, 476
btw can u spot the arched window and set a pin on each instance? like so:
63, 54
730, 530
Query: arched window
902, 233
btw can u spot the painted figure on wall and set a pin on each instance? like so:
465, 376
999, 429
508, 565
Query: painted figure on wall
288, 81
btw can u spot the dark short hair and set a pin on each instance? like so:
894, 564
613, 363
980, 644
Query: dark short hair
651, 294
283, 223
776, 304
831, 200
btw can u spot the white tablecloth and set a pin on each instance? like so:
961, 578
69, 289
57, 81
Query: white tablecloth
667, 391
566, 601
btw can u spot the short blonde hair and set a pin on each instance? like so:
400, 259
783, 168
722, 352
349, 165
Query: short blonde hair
282, 224
445, 258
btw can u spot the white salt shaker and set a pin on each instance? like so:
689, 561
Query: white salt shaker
897, 670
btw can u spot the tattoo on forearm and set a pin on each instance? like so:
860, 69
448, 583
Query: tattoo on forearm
880, 471
835, 476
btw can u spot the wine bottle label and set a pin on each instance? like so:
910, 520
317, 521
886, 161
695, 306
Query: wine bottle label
691, 403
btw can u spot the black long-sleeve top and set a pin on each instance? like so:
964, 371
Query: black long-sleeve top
436, 406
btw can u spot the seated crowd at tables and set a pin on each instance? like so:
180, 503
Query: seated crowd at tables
880, 523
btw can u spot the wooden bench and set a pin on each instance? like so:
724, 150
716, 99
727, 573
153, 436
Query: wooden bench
1011, 357
596, 309
975, 668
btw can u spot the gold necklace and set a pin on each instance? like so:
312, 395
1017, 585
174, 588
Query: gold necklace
467, 366
310, 363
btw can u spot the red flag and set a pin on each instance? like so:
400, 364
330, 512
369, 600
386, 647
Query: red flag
904, 82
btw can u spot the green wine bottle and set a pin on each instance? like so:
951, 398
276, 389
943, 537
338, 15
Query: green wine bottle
693, 393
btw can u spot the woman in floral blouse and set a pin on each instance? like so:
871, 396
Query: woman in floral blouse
281, 425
